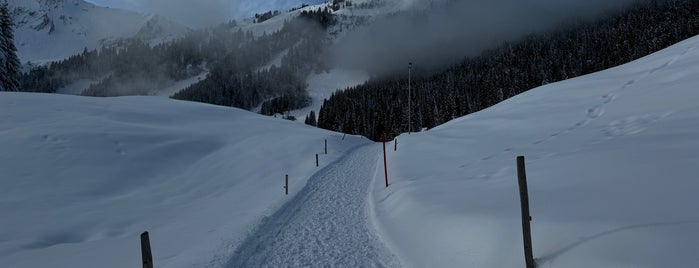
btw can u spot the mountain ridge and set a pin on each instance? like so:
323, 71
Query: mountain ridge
48, 30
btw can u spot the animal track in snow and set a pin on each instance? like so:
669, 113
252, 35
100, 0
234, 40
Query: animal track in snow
631, 125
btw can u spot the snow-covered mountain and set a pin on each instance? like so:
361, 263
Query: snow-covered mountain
611, 161
54, 29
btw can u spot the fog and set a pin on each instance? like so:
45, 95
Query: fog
448, 32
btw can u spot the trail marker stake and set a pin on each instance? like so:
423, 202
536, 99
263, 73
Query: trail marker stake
385, 168
526, 218
146, 254
286, 184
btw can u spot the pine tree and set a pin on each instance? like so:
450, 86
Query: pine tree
9, 63
311, 119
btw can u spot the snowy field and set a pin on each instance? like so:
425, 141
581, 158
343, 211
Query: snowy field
611, 160
612, 164
83, 177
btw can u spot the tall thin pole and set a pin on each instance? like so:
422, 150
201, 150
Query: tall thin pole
526, 217
410, 119
146, 254
385, 168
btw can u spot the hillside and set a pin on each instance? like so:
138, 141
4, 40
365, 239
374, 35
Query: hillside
610, 160
611, 164
604, 110
48, 30
83, 177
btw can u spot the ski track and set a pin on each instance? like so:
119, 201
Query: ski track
325, 225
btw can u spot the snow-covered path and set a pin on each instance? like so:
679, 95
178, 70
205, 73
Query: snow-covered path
326, 224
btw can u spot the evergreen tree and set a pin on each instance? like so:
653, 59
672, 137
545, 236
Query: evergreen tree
311, 119
9, 63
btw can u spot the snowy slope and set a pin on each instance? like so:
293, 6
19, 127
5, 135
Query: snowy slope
83, 177
322, 85
55, 29
611, 163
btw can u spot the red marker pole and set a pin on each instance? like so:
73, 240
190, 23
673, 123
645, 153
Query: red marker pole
385, 169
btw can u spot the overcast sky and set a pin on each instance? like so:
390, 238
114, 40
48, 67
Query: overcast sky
199, 13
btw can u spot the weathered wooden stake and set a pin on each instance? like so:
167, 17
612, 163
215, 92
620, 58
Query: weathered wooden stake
286, 184
343, 136
146, 255
526, 218
395, 144
385, 168
317, 160
326, 146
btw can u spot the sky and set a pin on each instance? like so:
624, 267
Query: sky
201, 13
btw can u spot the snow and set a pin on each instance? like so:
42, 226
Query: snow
83, 177
611, 166
78, 25
322, 85
275, 23
325, 225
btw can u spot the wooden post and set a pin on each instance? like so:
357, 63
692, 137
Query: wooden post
286, 185
385, 168
526, 218
343, 136
395, 144
317, 160
326, 146
146, 255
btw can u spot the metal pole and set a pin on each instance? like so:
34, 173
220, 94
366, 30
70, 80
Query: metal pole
526, 218
410, 119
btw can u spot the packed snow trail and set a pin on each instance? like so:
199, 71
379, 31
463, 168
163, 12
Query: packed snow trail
326, 224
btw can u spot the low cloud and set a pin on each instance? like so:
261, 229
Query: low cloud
451, 30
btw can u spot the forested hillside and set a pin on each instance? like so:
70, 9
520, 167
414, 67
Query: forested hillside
512, 68
234, 81
232, 55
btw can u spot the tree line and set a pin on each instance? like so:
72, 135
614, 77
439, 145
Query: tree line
232, 57
510, 69
236, 81
9, 62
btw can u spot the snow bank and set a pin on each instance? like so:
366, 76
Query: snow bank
83, 177
612, 170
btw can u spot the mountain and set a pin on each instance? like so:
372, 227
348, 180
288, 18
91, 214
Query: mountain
49, 30
611, 162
